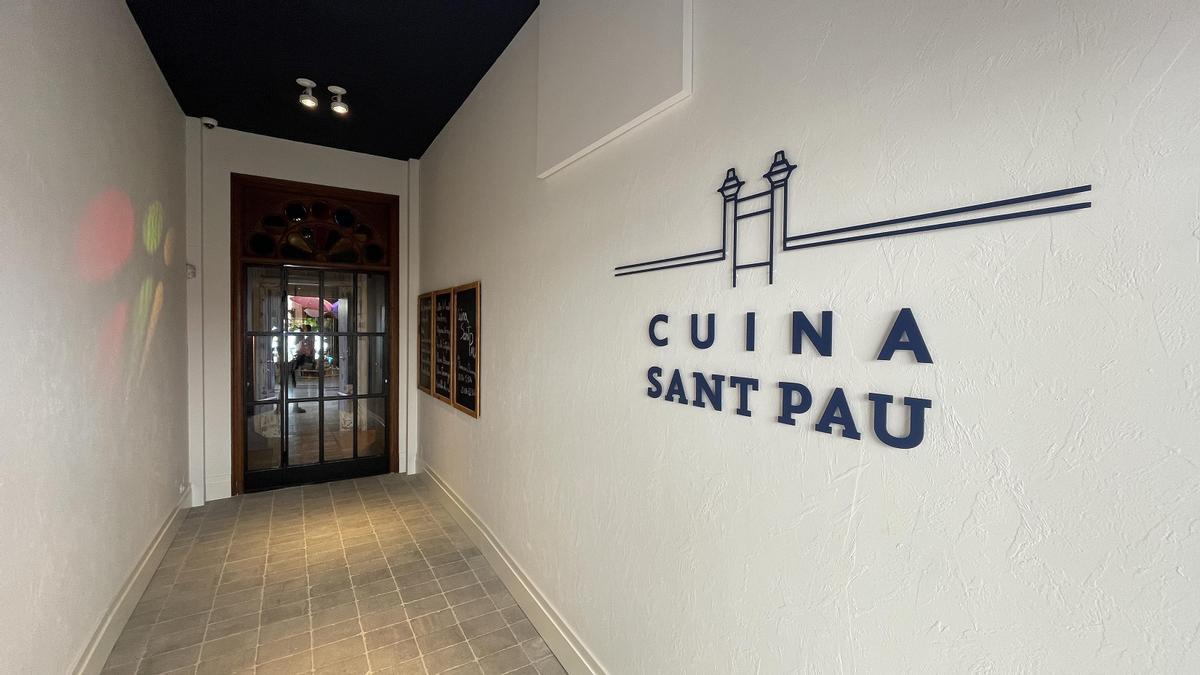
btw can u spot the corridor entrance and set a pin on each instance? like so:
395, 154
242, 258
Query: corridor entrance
315, 357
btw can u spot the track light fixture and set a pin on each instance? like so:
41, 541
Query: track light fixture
306, 98
309, 101
338, 105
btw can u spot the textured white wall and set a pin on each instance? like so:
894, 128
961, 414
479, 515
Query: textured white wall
590, 93
93, 450
222, 152
1048, 521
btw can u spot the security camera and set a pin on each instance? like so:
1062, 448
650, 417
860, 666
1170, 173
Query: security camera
208, 122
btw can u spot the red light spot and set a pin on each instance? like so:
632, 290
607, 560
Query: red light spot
112, 337
105, 237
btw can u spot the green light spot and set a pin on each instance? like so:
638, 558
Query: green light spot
139, 318
152, 227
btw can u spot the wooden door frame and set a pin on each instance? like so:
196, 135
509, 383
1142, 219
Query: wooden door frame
238, 261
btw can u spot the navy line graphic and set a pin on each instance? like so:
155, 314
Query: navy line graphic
719, 251
948, 212
770, 213
938, 226
719, 258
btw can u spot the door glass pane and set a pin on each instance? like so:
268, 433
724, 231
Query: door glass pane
329, 348
303, 300
303, 369
369, 367
263, 301
335, 350
339, 429
262, 364
303, 435
372, 303
338, 306
263, 437
372, 425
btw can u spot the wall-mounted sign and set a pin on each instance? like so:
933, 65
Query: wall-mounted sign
708, 390
448, 346
747, 218
443, 344
425, 343
466, 348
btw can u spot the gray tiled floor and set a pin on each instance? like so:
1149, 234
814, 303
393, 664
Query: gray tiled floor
361, 576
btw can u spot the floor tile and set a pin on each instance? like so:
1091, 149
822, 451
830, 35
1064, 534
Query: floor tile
536, 649
387, 635
334, 632
366, 575
166, 662
241, 624
378, 603
431, 642
429, 623
339, 651
192, 622
240, 609
413, 667
550, 666
170, 642
490, 643
283, 629
297, 663
288, 646
513, 614
393, 654
465, 594
503, 661
474, 608
226, 662
427, 605
357, 665
445, 659
230, 643
383, 618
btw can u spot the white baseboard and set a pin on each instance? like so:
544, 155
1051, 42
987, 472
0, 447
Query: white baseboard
101, 644
566, 645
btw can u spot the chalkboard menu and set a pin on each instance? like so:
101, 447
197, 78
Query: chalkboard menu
425, 342
466, 348
443, 343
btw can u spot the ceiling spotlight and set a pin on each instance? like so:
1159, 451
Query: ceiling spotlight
338, 105
306, 98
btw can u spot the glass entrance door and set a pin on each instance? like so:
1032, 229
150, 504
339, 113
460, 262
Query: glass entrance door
316, 381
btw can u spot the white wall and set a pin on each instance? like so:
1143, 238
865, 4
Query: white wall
590, 93
222, 152
93, 450
1048, 521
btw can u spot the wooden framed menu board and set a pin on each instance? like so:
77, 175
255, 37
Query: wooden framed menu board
443, 343
466, 348
425, 342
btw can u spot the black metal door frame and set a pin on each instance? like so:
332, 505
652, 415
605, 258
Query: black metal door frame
286, 474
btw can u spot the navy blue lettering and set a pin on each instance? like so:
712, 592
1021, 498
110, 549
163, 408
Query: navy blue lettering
916, 420
837, 411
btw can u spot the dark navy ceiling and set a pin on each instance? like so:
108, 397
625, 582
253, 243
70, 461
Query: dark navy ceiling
407, 64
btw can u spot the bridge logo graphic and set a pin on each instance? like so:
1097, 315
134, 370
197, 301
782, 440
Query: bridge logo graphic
766, 212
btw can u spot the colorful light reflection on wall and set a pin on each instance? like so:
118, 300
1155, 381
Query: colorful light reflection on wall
105, 237
152, 228
112, 338
105, 256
